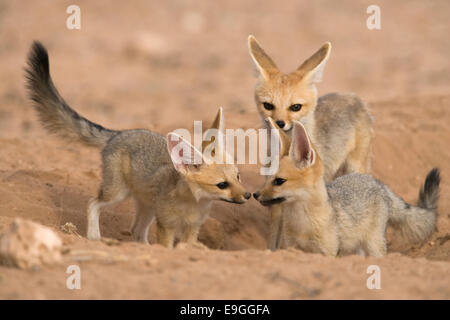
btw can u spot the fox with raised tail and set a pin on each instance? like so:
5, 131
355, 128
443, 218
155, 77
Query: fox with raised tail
349, 214
339, 124
157, 171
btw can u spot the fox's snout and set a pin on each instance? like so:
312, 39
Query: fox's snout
247, 195
281, 123
242, 198
267, 202
285, 125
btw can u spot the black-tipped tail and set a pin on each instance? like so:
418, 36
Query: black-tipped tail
55, 114
38, 64
429, 193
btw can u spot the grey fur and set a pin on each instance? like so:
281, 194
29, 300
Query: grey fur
363, 207
339, 117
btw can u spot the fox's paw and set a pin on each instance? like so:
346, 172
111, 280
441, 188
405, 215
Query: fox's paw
93, 235
195, 245
199, 245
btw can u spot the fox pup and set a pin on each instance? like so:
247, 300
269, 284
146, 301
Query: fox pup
339, 124
156, 171
349, 214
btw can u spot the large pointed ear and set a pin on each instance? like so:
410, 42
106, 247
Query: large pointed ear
263, 62
311, 70
301, 151
185, 157
285, 140
216, 132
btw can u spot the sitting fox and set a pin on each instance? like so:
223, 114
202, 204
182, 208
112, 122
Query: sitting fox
158, 172
339, 124
348, 215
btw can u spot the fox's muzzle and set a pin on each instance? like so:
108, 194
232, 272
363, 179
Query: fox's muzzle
246, 196
269, 202
288, 128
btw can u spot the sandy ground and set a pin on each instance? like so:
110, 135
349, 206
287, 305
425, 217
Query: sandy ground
162, 65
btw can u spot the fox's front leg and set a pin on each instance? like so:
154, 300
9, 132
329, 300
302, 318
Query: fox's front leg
165, 235
190, 234
275, 227
328, 243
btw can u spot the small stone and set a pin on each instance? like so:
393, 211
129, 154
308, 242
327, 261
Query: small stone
27, 245
70, 228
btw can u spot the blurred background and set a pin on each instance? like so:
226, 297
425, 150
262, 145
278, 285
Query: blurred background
161, 64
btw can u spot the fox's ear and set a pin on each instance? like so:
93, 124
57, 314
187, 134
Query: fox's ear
185, 157
215, 131
214, 138
262, 61
301, 151
285, 140
311, 70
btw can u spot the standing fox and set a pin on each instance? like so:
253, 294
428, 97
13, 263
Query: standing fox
157, 172
339, 125
349, 214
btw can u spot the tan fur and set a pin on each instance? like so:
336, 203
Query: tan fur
348, 215
339, 124
141, 164
179, 200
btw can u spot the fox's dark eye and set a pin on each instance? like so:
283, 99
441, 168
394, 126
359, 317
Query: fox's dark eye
222, 185
278, 181
295, 107
239, 177
268, 106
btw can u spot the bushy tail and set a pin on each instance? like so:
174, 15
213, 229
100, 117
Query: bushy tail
55, 115
417, 223
429, 193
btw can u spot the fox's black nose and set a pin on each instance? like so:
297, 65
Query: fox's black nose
256, 195
281, 123
247, 195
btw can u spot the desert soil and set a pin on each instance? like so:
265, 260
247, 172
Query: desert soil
161, 65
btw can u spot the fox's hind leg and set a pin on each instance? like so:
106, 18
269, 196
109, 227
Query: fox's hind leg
144, 218
112, 191
375, 245
93, 225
